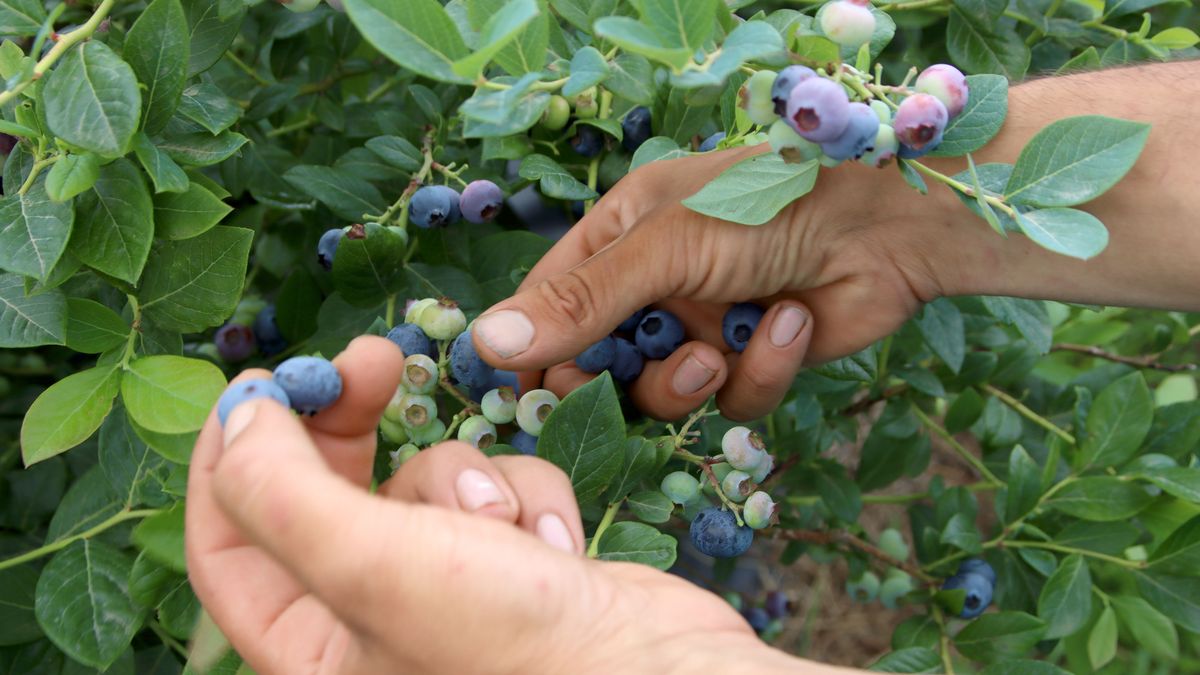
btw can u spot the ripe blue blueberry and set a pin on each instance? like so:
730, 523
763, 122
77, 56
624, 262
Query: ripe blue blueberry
420, 374
628, 363
847, 23
863, 589
248, 390
523, 442
599, 357
757, 617
467, 367
443, 320
737, 485
818, 109
739, 324
791, 146
659, 334
481, 201
534, 409
919, 122
711, 142
434, 206
417, 411
777, 605
715, 533
636, 127
499, 405
978, 593
266, 332
312, 383
892, 543
759, 510
629, 325
588, 141
680, 487
477, 431
785, 82
412, 340
907, 152
328, 245
235, 342
755, 98
897, 585
859, 135
978, 566
743, 448
947, 84
883, 150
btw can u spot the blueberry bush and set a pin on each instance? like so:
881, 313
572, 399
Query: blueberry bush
196, 186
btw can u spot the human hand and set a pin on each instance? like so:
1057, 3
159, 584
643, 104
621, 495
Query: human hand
459, 564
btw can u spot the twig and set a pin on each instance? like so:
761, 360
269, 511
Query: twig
1029, 414
1149, 362
967, 456
846, 539
66, 42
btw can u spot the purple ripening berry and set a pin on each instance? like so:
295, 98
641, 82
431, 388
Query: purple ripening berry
785, 82
947, 84
481, 201
920, 121
819, 109
235, 342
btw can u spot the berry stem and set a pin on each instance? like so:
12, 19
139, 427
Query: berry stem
66, 42
134, 331
245, 68
961, 186
1151, 362
969, 458
1069, 550
606, 98
112, 521
610, 515
390, 314
400, 206
943, 640
36, 171
1028, 414
455, 422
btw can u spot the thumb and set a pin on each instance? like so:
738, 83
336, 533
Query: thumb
557, 318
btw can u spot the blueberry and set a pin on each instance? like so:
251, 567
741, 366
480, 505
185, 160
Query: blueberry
420, 374
680, 487
504, 378
414, 308
659, 334
477, 431
248, 390
442, 320
412, 340
588, 141
235, 342
892, 543
847, 23
429, 434
777, 605
523, 442
636, 128
393, 412
557, 114
328, 246
628, 363
865, 588
599, 357
757, 617
711, 142
759, 511
587, 104
978, 566
247, 310
897, 585
859, 135
739, 324
434, 206
629, 325
266, 332
399, 456
744, 448
764, 468
467, 367
883, 150
920, 121
312, 383
882, 110
755, 98
481, 201
715, 533
500, 405
417, 411
978, 593
908, 152
947, 84
534, 409
785, 82
818, 109
393, 432
791, 146
736, 485
720, 471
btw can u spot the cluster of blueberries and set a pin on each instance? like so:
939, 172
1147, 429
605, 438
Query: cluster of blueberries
306, 384
251, 329
812, 117
766, 618
896, 583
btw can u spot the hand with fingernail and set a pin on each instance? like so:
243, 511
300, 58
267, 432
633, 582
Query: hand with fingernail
459, 564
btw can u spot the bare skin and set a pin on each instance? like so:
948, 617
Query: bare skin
443, 571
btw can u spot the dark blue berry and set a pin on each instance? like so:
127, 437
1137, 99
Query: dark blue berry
757, 617
739, 324
784, 84
588, 141
481, 201
247, 390
636, 128
599, 357
266, 332
978, 566
629, 325
711, 142
311, 383
978, 592
524, 442
659, 334
412, 340
777, 605
467, 367
715, 532
328, 246
434, 206
235, 342
628, 364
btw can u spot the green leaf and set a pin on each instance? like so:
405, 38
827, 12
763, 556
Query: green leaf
1178, 597
999, 635
30, 320
396, 151
114, 224
135, 472
981, 118
909, 660
636, 37
496, 107
17, 621
1023, 667
1101, 498
1070, 232
211, 32
1181, 482
21, 17
1028, 316
90, 501
979, 46
202, 148
1180, 552
171, 394
961, 533
67, 413
884, 458
157, 48
1088, 59
1066, 600
1118, 422
655, 149
92, 100
860, 367
161, 537
71, 175
640, 460
585, 436
348, 196
632, 79
163, 171
840, 494
628, 541
1176, 37
209, 107
501, 29
1148, 627
553, 180
83, 604
750, 41
588, 69
93, 328
964, 411
33, 231
1075, 160
524, 114
368, 270
755, 190
651, 506
678, 23
195, 284
187, 214
1024, 485
583, 13
941, 324
417, 34
915, 181
1102, 642
1113, 8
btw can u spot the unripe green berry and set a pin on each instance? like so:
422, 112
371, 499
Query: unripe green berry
587, 104
401, 232
401, 455
393, 432
755, 98
417, 411
764, 469
882, 110
477, 431
895, 587
791, 146
734, 599
892, 543
414, 309
442, 320
744, 449
247, 310
533, 410
420, 374
557, 114
680, 487
865, 588
759, 510
720, 470
736, 485
393, 412
500, 405
429, 434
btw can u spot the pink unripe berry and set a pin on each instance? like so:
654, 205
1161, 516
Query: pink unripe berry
847, 23
920, 121
947, 84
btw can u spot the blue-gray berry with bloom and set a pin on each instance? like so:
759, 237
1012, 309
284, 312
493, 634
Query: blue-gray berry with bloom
412, 340
715, 533
481, 201
466, 365
248, 390
434, 206
598, 357
739, 324
328, 245
659, 334
312, 383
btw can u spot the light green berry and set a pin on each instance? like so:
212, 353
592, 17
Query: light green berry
755, 98
791, 146
420, 374
557, 114
429, 434
477, 431
393, 432
587, 104
500, 405
736, 485
764, 469
533, 410
442, 320
401, 455
863, 589
680, 487
744, 449
882, 110
414, 310
895, 587
247, 310
417, 411
759, 510
892, 543
393, 412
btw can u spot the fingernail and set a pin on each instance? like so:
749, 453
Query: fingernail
507, 332
787, 325
691, 376
552, 530
239, 419
477, 490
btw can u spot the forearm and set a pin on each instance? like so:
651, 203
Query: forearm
1152, 215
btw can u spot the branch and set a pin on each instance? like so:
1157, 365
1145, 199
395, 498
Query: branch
1135, 361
